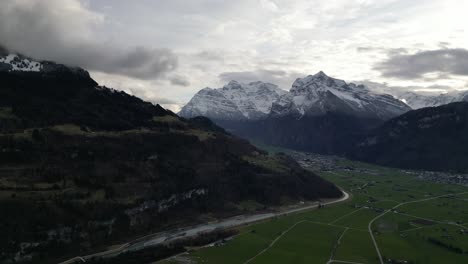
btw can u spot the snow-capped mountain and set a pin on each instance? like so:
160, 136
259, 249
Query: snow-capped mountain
419, 100
235, 101
319, 94
13, 62
17, 63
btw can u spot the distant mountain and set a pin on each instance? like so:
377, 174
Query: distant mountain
235, 101
83, 166
434, 138
317, 114
320, 94
418, 100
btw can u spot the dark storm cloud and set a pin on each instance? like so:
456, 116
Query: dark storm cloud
66, 32
414, 66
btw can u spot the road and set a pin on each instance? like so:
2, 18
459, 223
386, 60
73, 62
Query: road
167, 236
369, 226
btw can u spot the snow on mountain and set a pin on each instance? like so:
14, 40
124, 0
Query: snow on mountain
234, 101
14, 62
319, 94
419, 100
20, 64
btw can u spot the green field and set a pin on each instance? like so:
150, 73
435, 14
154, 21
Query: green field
417, 222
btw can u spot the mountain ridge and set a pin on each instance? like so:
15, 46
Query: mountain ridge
234, 101
312, 95
431, 138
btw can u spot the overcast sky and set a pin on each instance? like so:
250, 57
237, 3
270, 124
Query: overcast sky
167, 50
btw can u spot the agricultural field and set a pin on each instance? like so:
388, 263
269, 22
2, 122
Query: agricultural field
411, 220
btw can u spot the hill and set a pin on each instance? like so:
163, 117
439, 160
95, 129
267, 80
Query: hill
83, 165
433, 138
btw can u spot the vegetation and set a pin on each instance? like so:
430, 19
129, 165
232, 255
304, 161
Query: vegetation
83, 167
420, 139
428, 230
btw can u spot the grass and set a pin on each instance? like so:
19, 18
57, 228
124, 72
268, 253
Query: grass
7, 113
356, 246
167, 119
267, 162
305, 243
400, 237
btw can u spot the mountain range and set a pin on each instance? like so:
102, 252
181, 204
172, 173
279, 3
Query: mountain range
234, 101
316, 114
329, 116
313, 95
92, 165
421, 100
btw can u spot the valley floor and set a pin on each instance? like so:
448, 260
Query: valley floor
393, 217
174, 235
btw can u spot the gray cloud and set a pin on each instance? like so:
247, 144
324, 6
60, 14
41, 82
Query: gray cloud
366, 49
210, 55
179, 80
164, 101
414, 66
390, 52
66, 32
281, 78
398, 91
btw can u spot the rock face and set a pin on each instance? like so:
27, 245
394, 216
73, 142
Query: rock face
320, 94
235, 101
433, 138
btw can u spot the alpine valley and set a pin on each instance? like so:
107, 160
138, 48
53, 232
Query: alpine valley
325, 115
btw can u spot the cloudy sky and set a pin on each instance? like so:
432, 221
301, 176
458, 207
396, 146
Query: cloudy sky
167, 50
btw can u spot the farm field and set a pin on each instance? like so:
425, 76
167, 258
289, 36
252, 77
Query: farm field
412, 221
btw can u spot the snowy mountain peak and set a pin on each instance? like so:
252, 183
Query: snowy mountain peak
318, 81
312, 95
14, 62
320, 94
234, 101
421, 100
19, 64
233, 85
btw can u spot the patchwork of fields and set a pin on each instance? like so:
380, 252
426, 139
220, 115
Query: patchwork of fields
412, 221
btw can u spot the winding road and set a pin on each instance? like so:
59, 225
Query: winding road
167, 236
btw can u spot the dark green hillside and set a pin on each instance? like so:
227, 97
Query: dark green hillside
433, 138
83, 166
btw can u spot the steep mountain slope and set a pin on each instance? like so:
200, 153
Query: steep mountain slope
82, 165
319, 94
434, 138
235, 101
